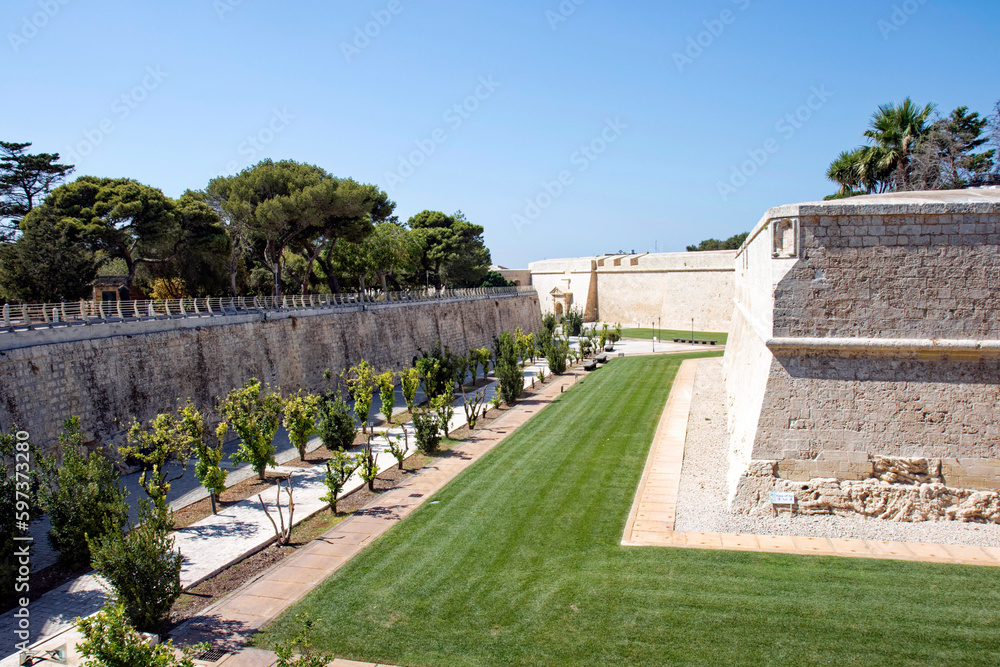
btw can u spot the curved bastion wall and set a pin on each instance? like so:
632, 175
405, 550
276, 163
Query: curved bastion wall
865, 344
142, 368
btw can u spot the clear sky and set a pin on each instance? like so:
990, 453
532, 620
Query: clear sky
566, 129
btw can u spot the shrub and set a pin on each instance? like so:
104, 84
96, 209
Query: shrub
443, 409
254, 412
437, 369
142, 567
112, 641
337, 427
386, 383
410, 380
361, 382
428, 434
574, 322
339, 469
507, 369
169, 438
301, 411
368, 470
556, 352
82, 498
298, 651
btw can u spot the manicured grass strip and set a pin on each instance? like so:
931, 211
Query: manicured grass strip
669, 334
519, 563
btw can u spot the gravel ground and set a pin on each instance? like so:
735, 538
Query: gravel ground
701, 505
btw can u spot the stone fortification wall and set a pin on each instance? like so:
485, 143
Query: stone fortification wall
142, 368
872, 324
664, 289
669, 289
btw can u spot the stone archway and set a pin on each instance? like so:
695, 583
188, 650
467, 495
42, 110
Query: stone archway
559, 308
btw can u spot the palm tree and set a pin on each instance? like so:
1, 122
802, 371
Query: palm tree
895, 131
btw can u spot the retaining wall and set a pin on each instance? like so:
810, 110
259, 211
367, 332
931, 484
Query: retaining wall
142, 368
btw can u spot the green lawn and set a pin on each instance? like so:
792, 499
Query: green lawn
519, 563
670, 334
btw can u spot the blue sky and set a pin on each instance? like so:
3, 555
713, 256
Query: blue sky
565, 129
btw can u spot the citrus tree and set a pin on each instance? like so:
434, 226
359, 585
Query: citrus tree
253, 411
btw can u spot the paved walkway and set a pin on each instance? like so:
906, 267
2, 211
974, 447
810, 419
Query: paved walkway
216, 542
227, 624
651, 520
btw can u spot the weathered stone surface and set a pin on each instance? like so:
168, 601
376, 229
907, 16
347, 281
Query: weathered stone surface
105, 381
869, 327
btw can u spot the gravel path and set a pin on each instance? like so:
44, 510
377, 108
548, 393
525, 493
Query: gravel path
701, 503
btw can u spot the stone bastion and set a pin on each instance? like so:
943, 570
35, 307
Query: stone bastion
863, 363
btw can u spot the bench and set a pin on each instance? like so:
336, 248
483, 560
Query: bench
694, 341
589, 365
601, 358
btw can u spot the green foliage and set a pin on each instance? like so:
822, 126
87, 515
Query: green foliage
301, 412
441, 404
495, 279
428, 433
110, 640
207, 466
461, 370
297, 652
410, 379
549, 322
368, 468
25, 180
337, 427
339, 469
170, 438
49, 262
732, 243
573, 320
556, 352
484, 360
437, 369
507, 368
497, 399
386, 383
254, 412
360, 380
272, 207
452, 248
398, 449
82, 498
142, 568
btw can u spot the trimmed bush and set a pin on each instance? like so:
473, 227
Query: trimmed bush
428, 433
337, 427
142, 567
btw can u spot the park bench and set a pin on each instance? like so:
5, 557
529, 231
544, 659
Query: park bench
601, 358
694, 341
589, 365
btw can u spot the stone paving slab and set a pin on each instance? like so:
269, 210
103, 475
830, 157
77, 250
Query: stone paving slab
651, 520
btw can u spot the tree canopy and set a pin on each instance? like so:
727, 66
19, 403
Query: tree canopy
911, 149
732, 243
452, 250
25, 179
